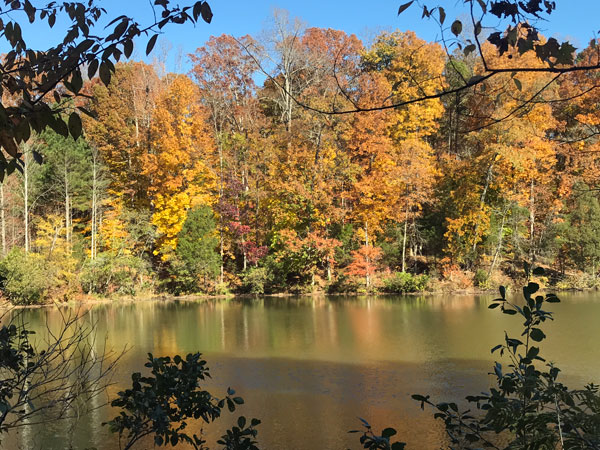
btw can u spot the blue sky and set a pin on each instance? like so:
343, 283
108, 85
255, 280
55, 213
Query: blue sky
576, 20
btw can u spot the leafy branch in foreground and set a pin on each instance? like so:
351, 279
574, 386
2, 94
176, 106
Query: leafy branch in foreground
161, 404
509, 26
528, 408
37, 86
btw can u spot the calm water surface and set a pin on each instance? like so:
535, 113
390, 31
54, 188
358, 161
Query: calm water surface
309, 367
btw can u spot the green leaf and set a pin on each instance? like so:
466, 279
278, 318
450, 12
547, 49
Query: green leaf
404, 7
419, 398
93, 68
469, 49
76, 81
537, 335
105, 74
87, 112
533, 353
37, 157
456, 27
23, 131
502, 292
475, 79
75, 125
58, 125
494, 305
518, 84
539, 271
442, 14
206, 12
388, 432
151, 44
532, 288
128, 48
9, 145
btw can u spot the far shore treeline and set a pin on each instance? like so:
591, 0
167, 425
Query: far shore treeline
217, 181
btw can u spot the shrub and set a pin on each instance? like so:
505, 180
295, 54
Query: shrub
196, 247
344, 284
577, 281
457, 277
179, 279
108, 274
24, 278
222, 289
254, 280
403, 282
481, 279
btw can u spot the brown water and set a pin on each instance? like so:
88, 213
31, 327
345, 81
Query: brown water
309, 367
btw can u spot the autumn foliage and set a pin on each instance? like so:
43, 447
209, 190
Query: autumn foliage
477, 181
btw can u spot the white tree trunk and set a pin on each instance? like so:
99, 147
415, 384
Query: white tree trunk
404, 240
367, 261
26, 198
3, 219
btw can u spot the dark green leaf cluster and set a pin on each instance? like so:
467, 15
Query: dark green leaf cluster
372, 441
242, 436
521, 34
16, 358
161, 404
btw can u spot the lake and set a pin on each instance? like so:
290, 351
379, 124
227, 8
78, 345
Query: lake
308, 367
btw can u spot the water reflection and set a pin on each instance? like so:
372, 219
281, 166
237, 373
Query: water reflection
309, 366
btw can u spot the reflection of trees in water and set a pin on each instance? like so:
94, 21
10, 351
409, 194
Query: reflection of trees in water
339, 355
55, 373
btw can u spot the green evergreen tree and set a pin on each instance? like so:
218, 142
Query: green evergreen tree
197, 245
583, 231
64, 181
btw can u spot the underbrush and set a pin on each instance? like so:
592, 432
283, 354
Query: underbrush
403, 282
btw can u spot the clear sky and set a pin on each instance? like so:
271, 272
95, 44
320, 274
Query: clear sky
576, 20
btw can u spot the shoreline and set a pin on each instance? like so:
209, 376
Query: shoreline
149, 297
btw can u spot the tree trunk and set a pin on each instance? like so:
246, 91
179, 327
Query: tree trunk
500, 242
221, 225
404, 240
26, 198
531, 223
3, 219
367, 262
94, 205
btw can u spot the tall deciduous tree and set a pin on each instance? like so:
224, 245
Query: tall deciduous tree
178, 165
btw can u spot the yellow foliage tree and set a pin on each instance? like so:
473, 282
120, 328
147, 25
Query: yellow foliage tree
52, 245
178, 165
